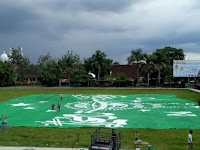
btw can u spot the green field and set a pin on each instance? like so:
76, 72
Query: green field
155, 111
80, 137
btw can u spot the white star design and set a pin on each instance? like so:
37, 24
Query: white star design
29, 108
43, 102
144, 110
136, 101
20, 104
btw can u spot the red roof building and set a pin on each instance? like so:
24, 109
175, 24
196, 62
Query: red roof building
131, 71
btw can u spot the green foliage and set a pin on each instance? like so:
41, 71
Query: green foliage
79, 77
171, 53
48, 73
165, 57
148, 66
98, 64
136, 55
48, 78
116, 63
18, 59
7, 74
32, 66
70, 63
120, 79
160, 61
169, 79
46, 62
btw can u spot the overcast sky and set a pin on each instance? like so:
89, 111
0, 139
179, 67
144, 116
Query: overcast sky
112, 26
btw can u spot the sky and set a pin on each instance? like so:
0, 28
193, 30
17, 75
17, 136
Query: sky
112, 26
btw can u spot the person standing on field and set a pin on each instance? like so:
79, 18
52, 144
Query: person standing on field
58, 107
61, 96
190, 145
53, 106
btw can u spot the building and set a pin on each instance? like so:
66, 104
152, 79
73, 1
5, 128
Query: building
4, 57
131, 71
30, 76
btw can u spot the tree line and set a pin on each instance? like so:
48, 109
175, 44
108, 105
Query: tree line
51, 71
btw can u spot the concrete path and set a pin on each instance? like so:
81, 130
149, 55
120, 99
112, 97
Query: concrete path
80, 88
195, 90
38, 148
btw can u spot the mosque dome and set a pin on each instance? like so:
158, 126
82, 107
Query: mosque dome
4, 57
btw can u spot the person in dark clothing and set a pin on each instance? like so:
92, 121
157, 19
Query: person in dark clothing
53, 106
114, 138
58, 109
190, 145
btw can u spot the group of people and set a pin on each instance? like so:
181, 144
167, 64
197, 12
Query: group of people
190, 144
58, 104
137, 141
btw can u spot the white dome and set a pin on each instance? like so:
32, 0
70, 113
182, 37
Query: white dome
4, 57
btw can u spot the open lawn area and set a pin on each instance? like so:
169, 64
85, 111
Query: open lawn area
163, 139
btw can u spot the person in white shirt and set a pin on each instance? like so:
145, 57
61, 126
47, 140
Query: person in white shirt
190, 147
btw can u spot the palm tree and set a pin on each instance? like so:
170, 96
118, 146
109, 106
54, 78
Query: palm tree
98, 61
148, 66
160, 61
136, 55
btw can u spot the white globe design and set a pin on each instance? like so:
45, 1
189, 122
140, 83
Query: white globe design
4, 57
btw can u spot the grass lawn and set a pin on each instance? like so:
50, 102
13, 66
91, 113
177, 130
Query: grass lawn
171, 139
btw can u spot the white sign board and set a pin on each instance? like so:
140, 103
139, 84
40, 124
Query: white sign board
186, 68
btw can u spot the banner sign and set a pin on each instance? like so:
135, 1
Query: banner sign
186, 68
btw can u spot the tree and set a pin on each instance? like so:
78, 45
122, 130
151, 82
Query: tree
169, 54
79, 76
69, 63
106, 69
160, 62
116, 63
48, 70
98, 64
148, 66
48, 78
7, 74
172, 53
32, 66
121, 79
46, 62
18, 59
136, 55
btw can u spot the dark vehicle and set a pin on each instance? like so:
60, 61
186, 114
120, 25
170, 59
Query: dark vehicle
197, 86
105, 141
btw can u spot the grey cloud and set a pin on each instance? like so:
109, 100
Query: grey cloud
90, 5
113, 26
106, 5
15, 19
174, 39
